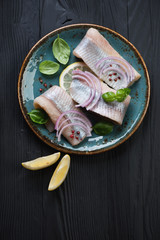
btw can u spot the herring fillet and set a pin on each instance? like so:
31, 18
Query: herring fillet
115, 111
54, 102
94, 47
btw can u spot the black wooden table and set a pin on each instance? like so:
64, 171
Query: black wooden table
112, 196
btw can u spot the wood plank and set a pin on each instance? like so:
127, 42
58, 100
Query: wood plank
21, 201
140, 156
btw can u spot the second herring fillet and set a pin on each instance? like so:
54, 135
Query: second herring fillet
114, 111
94, 47
56, 101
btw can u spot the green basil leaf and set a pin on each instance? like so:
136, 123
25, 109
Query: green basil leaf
127, 90
121, 94
38, 116
48, 67
120, 98
61, 50
109, 96
103, 128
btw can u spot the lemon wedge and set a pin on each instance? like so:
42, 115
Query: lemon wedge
41, 162
60, 173
65, 78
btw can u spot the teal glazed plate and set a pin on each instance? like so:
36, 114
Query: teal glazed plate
29, 88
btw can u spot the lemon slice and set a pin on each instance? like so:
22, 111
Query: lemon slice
41, 162
60, 173
65, 78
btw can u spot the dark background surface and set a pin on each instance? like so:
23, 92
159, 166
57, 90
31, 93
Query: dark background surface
114, 195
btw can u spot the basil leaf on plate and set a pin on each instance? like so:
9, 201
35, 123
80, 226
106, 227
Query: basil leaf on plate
127, 91
48, 67
103, 128
121, 94
38, 116
61, 50
109, 96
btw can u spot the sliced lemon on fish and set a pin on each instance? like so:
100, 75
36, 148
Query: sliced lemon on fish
65, 78
42, 162
60, 173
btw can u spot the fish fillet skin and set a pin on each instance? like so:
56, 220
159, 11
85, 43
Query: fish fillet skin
114, 111
50, 126
92, 48
54, 102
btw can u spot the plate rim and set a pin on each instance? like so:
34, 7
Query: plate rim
26, 60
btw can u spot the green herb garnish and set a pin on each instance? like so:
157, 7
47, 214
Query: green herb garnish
61, 50
48, 67
38, 116
103, 128
109, 96
119, 96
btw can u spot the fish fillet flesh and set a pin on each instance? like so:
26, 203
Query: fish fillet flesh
94, 47
114, 111
56, 101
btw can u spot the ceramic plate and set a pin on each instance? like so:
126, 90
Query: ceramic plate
29, 85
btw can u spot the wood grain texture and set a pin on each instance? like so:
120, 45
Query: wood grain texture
111, 196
